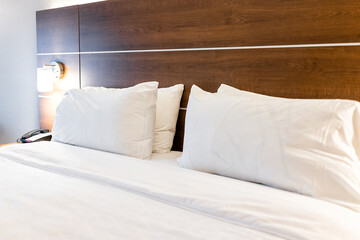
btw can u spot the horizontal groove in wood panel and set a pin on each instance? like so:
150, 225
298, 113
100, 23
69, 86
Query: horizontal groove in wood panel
146, 24
209, 49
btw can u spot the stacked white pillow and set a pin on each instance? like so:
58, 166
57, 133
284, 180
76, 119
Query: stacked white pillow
114, 120
305, 146
131, 121
167, 111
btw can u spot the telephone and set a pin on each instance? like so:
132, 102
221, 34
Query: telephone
35, 135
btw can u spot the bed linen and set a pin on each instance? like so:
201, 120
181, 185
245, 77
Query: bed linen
168, 158
307, 146
57, 191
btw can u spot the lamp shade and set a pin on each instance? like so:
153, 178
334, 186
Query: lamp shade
45, 80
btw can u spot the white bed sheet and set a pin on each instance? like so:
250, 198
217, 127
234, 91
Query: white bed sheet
56, 191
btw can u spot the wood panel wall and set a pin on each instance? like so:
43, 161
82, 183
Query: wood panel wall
107, 31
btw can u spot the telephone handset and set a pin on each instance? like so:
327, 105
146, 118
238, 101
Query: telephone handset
35, 135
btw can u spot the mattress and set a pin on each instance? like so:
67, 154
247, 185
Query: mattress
57, 191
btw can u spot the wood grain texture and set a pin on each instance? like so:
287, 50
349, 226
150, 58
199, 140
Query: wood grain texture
164, 24
49, 101
58, 30
329, 72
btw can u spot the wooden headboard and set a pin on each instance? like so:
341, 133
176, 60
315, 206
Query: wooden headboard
296, 49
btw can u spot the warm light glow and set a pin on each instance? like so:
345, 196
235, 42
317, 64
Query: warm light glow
45, 80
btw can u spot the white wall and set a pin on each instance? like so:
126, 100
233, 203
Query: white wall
19, 111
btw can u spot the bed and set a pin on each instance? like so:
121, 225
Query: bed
292, 49
58, 191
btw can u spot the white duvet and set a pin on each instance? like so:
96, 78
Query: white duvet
56, 191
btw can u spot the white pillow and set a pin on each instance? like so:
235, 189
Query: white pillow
305, 146
167, 110
114, 120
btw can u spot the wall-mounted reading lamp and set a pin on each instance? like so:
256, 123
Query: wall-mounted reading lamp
48, 74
